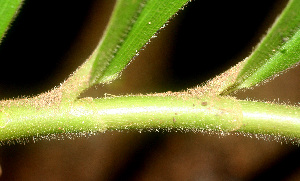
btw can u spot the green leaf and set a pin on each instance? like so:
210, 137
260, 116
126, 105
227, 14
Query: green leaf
287, 56
279, 50
132, 24
8, 10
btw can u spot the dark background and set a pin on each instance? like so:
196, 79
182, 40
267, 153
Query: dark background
49, 40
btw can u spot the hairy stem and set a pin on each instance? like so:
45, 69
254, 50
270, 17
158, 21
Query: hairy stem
25, 118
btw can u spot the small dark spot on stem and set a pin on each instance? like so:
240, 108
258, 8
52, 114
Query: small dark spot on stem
283, 51
204, 103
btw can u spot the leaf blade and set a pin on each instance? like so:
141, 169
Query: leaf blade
283, 59
8, 10
270, 56
152, 15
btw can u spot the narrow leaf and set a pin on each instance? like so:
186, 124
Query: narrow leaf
287, 56
8, 10
132, 24
279, 50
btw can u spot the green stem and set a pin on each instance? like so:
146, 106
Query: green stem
25, 118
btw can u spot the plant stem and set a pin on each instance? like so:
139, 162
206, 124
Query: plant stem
25, 118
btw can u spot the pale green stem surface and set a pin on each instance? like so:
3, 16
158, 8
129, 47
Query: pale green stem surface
27, 118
